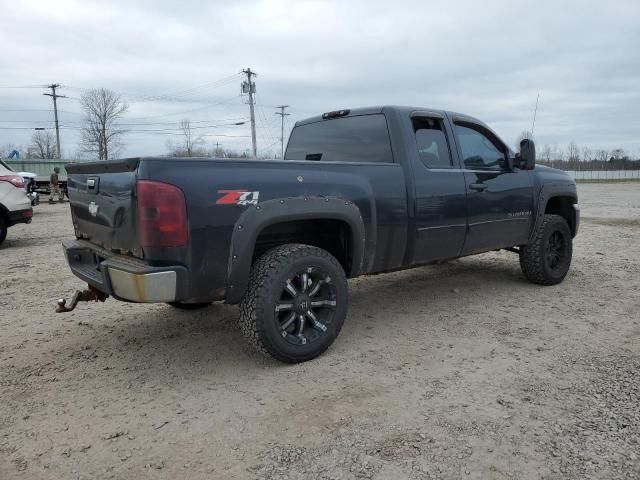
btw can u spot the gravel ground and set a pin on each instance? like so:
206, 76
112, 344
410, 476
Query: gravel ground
462, 370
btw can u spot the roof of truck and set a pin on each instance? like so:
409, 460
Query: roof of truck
402, 109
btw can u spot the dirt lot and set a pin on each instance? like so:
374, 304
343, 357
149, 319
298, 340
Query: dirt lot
461, 370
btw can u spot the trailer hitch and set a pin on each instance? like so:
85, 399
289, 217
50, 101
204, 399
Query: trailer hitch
91, 294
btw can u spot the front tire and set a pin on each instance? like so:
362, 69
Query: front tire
546, 260
295, 304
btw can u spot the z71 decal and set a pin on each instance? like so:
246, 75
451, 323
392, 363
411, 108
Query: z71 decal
237, 197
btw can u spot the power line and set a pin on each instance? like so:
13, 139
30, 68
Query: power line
181, 93
135, 98
141, 124
264, 131
23, 86
282, 115
223, 102
37, 110
265, 122
165, 129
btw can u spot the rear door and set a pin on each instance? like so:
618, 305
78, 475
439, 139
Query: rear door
102, 197
499, 198
440, 195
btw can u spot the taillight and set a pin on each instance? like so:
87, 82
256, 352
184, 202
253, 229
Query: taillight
162, 215
15, 180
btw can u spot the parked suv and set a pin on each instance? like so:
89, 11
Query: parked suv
15, 205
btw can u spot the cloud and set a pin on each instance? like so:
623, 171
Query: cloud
487, 59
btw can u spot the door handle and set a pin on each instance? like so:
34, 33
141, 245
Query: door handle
480, 187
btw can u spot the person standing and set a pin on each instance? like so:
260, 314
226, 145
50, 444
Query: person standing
54, 186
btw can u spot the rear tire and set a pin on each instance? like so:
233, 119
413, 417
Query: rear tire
3, 230
546, 260
189, 306
295, 304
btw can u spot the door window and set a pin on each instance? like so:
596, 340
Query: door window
431, 141
478, 151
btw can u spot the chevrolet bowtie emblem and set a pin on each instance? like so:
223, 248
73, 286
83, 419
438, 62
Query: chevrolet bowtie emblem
93, 209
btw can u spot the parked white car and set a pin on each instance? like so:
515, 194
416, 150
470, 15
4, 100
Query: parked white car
15, 205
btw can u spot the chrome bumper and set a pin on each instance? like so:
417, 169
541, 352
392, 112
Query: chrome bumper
123, 277
143, 287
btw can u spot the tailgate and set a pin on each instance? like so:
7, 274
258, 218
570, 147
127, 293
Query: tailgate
102, 196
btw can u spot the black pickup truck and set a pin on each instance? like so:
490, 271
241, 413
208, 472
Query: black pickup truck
359, 191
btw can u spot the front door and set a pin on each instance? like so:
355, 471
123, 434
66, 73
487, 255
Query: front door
499, 198
439, 191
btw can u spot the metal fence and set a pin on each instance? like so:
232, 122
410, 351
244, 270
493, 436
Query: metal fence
604, 175
39, 166
612, 170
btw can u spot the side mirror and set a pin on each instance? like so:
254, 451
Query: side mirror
527, 155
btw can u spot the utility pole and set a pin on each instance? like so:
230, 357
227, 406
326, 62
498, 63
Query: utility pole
55, 96
217, 152
250, 88
282, 115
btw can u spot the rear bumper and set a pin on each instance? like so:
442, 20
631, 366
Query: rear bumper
20, 216
123, 277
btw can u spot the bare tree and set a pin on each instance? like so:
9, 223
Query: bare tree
573, 152
602, 155
587, 154
191, 145
43, 145
619, 154
546, 154
190, 140
101, 134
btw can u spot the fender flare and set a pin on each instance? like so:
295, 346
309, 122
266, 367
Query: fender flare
547, 192
255, 219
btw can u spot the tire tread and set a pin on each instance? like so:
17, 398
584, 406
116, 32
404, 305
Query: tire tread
532, 256
263, 273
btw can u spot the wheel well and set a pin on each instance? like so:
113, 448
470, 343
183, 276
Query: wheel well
563, 206
334, 236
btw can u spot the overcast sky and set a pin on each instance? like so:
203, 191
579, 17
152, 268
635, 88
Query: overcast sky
487, 59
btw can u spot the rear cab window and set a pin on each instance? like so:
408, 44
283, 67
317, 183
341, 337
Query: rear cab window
362, 138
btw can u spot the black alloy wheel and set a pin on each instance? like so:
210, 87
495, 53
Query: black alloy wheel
556, 250
306, 306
